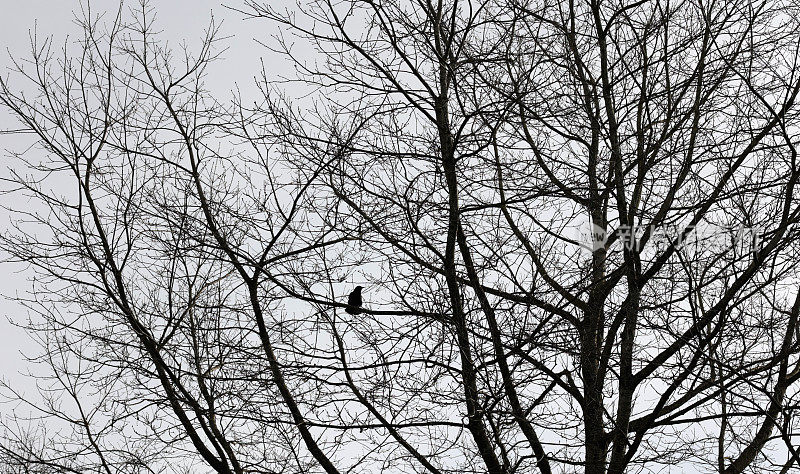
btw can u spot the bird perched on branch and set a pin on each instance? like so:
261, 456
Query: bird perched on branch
354, 301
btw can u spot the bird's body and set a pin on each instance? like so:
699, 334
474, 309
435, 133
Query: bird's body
354, 302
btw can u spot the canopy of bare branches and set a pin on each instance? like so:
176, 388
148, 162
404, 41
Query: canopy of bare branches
574, 223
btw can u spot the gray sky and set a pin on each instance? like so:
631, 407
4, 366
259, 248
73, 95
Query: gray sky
180, 20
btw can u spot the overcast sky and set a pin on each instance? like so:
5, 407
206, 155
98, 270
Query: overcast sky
180, 20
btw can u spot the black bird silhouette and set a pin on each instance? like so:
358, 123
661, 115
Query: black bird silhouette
354, 301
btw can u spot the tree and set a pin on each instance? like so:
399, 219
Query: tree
193, 255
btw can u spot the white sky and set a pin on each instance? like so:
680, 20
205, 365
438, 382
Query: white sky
181, 20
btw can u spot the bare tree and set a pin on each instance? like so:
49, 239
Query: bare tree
193, 256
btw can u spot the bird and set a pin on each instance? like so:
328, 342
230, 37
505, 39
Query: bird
354, 301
